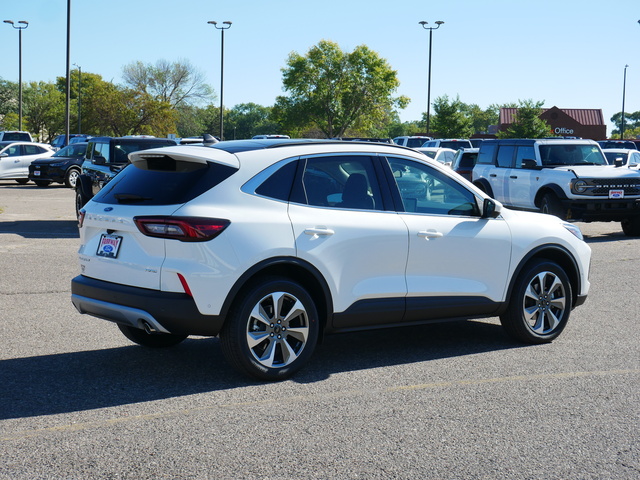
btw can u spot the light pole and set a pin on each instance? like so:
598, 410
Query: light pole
225, 26
22, 24
79, 97
624, 87
68, 77
431, 29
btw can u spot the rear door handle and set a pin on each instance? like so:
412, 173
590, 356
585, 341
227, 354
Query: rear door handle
430, 234
493, 175
513, 176
320, 231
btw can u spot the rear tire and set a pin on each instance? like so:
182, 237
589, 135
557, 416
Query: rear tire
631, 226
271, 330
540, 304
151, 340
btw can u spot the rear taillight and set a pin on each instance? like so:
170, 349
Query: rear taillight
185, 229
81, 215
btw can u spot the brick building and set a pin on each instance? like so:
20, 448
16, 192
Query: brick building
565, 122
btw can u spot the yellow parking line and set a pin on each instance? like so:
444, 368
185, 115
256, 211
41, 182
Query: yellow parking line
424, 386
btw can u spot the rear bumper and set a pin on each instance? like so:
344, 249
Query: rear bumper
601, 210
164, 312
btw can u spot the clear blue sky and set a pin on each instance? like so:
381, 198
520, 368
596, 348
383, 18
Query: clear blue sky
567, 53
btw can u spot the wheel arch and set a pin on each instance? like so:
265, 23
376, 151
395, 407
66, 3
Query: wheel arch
549, 188
84, 185
484, 185
291, 268
554, 253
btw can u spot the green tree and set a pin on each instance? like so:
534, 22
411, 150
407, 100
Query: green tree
631, 124
8, 99
450, 119
83, 88
527, 122
248, 119
122, 111
334, 91
43, 110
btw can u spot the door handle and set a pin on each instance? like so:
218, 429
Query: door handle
493, 175
430, 234
513, 176
319, 231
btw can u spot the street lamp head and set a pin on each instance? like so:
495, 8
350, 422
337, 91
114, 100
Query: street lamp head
24, 22
423, 23
439, 22
227, 22
10, 22
212, 22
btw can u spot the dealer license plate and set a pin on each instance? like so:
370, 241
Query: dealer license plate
109, 245
36, 173
616, 193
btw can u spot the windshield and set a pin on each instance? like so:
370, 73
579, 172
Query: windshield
76, 150
554, 155
611, 157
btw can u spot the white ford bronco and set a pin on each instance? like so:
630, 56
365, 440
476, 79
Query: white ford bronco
564, 177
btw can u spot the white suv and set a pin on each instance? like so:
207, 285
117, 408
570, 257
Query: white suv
564, 177
271, 244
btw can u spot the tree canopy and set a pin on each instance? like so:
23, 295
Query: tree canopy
176, 83
527, 122
333, 90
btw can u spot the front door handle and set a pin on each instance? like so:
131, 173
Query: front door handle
430, 234
319, 231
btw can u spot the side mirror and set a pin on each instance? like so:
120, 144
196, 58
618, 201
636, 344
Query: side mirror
618, 162
99, 160
5, 154
529, 164
491, 208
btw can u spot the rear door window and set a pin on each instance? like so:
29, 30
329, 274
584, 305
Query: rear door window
505, 156
340, 182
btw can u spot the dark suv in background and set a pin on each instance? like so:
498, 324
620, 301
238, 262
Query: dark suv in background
105, 157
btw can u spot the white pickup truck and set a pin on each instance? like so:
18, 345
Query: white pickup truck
568, 178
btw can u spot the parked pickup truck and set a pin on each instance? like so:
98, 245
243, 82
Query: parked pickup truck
568, 178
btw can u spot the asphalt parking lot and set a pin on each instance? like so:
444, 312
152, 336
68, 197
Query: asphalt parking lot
454, 400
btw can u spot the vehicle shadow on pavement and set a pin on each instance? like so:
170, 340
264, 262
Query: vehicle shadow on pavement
41, 228
607, 237
406, 345
78, 381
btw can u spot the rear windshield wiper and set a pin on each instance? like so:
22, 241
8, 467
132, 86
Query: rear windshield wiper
130, 198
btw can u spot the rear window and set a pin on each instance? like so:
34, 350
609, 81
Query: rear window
455, 145
415, 142
16, 136
162, 181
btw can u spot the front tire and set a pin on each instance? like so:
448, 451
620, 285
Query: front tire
631, 226
272, 329
152, 340
81, 200
551, 205
71, 178
540, 304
